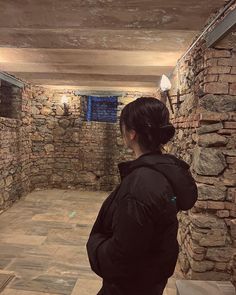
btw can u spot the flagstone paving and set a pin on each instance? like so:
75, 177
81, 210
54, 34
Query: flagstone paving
43, 243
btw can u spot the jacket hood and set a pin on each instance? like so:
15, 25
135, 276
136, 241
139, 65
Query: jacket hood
174, 169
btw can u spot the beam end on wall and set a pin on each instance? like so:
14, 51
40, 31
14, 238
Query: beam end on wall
221, 29
11, 79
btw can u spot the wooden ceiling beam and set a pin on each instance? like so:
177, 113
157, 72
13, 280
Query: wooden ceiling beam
12, 67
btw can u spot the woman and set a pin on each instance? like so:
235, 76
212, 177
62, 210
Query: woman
133, 243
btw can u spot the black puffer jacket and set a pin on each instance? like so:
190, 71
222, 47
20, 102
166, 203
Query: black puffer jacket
133, 243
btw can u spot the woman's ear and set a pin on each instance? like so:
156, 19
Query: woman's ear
132, 134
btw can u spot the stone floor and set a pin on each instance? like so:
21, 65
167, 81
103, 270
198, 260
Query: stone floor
42, 242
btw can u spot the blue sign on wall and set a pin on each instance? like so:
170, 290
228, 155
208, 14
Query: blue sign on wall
102, 109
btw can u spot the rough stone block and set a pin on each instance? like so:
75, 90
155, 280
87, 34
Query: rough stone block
49, 148
75, 137
213, 117
222, 213
184, 262
219, 254
211, 140
218, 103
64, 123
1, 199
231, 152
208, 161
45, 111
213, 238
215, 205
217, 87
230, 125
221, 266
227, 78
213, 62
201, 266
210, 192
36, 137
201, 204
2, 183
8, 180
59, 131
189, 103
211, 78
231, 192
214, 53
193, 255
59, 110
221, 69
232, 89
208, 221
233, 213
209, 128
35, 179
226, 62
233, 228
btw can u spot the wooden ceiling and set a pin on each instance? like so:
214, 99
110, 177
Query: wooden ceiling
98, 44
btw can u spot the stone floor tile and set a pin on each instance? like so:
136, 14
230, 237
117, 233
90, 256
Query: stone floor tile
87, 287
170, 291
68, 237
4, 262
46, 251
30, 266
51, 217
22, 239
43, 242
45, 195
46, 283
5, 279
10, 251
21, 292
170, 287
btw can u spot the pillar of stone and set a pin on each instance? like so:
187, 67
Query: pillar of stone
206, 137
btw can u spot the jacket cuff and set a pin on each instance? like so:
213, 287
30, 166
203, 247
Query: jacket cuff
94, 241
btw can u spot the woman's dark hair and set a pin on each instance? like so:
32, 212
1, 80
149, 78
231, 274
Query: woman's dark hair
149, 117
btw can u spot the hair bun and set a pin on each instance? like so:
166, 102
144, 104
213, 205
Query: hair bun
167, 132
166, 126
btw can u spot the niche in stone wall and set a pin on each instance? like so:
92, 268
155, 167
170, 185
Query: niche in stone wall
10, 100
100, 109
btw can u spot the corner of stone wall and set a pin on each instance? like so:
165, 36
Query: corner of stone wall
69, 151
205, 137
15, 151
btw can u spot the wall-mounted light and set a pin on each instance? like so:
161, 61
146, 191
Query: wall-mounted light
64, 101
165, 87
178, 84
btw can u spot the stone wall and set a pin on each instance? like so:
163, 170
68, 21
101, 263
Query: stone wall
44, 148
205, 122
10, 100
15, 150
70, 152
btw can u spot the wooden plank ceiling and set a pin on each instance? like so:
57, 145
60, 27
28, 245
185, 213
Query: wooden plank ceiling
98, 44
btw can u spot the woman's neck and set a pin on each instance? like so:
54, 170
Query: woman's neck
139, 152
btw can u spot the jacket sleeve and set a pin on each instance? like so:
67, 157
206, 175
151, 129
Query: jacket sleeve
118, 255
188, 193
